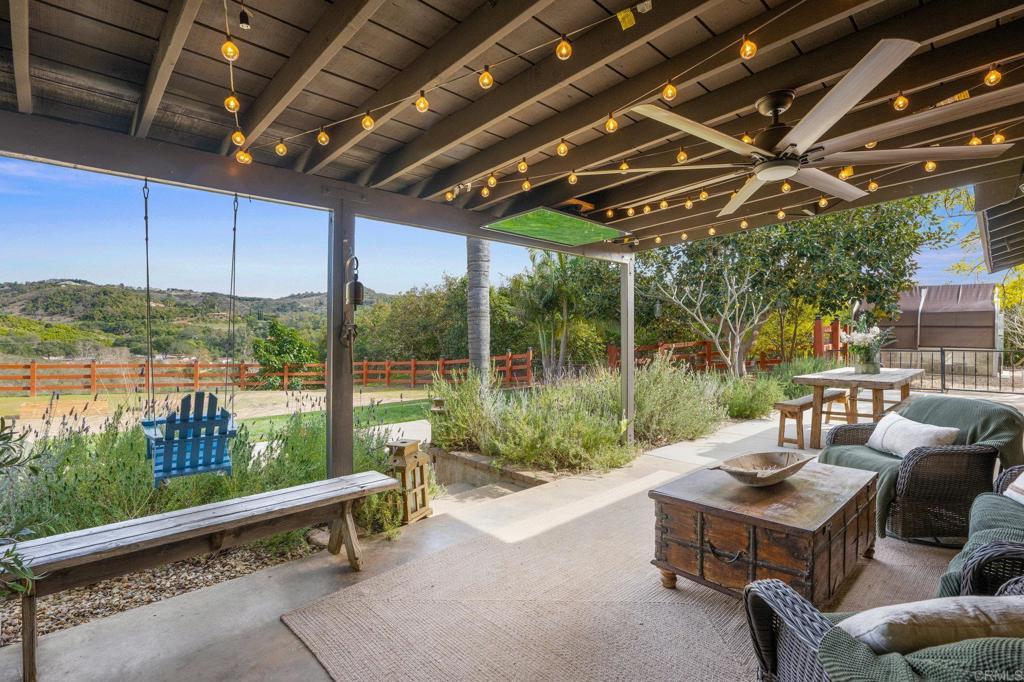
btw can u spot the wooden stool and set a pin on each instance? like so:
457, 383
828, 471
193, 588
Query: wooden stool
795, 408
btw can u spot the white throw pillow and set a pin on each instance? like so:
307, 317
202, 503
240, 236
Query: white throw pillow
905, 628
1015, 491
898, 435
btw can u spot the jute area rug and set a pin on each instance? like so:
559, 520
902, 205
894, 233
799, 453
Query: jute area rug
578, 601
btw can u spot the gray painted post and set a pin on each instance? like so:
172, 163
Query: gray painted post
627, 362
341, 247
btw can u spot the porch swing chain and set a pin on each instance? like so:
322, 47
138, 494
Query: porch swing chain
150, 389
228, 383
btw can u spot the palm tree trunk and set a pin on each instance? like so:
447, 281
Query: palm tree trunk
563, 344
478, 271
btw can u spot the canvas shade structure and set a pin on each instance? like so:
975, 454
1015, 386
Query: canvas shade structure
137, 89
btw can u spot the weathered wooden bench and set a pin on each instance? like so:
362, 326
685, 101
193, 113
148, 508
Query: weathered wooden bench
87, 556
795, 408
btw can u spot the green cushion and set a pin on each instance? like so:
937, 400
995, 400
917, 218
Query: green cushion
949, 583
981, 422
992, 510
864, 458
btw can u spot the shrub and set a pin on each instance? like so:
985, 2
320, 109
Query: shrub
675, 403
468, 417
785, 372
751, 397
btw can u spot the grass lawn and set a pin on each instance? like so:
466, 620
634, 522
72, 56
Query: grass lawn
384, 413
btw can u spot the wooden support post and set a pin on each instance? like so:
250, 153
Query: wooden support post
340, 311
819, 338
508, 367
94, 385
29, 637
627, 332
529, 366
195, 375
32, 379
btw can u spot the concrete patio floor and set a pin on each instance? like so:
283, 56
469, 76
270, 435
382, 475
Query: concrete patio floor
233, 631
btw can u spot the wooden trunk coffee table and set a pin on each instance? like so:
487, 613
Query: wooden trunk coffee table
807, 531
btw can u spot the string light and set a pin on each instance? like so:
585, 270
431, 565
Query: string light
243, 157
930, 166
367, 121
974, 141
871, 145
526, 185
562, 149
998, 138
322, 138
647, 209
564, 48
703, 196
712, 231
280, 148
611, 125
846, 172
492, 180
485, 191
521, 166
231, 103
229, 50
624, 166
486, 80
872, 185
610, 213
663, 204
669, 92
993, 76
744, 224
688, 204
786, 187
748, 48
422, 105
449, 196
901, 102
573, 179
657, 240
681, 156
238, 138
781, 214
823, 202
683, 237
747, 139
631, 211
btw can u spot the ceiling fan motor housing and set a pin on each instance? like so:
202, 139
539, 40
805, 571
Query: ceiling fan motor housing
776, 169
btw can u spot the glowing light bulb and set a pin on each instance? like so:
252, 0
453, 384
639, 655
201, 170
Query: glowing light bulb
993, 76
901, 102
229, 50
231, 103
422, 105
573, 179
872, 185
485, 191
786, 187
974, 141
281, 148
712, 231
238, 138
688, 204
846, 172
243, 157
611, 125
703, 196
610, 213
823, 202
367, 121
322, 138
871, 145
930, 166
663, 204
492, 180
681, 156
998, 138
449, 195
647, 209
522, 167
683, 237
625, 240
563, 50
624, 166
526, 185
744, 224
747, 139
631, 211
486, 80
657, 240
669, 92
748, 48
781, 214
562, 149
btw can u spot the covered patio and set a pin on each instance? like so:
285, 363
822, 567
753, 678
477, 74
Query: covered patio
594, 128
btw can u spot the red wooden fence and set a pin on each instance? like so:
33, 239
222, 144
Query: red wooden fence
93, 377
698, 354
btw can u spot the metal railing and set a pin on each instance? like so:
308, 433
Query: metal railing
962, 369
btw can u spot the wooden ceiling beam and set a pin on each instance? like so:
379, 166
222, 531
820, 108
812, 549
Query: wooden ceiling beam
903, 185
180, 16
937, 20
463, 44
20, 53
603, 44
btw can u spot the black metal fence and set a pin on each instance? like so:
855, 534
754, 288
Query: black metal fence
962, 369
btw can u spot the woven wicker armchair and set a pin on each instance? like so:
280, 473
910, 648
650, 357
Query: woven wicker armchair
935, 486
1012, 588
989, 567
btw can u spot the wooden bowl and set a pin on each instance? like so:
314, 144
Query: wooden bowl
763, 468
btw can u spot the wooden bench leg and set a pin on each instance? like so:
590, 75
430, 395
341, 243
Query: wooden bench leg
782, 428
800, 429
29, 637
343, 531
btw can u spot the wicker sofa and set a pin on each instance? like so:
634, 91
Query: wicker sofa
928, 494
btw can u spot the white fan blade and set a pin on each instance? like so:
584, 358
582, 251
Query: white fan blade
823, 182
745, 192
904, 125
699, 130
659, 169
864, 77
913, 155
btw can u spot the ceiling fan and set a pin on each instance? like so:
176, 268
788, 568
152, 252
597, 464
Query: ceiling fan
793, 152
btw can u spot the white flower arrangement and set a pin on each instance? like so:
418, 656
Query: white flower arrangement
865, 341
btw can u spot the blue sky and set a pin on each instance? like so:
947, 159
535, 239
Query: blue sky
62, 222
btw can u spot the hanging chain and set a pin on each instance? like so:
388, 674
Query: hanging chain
232, 326
150, 388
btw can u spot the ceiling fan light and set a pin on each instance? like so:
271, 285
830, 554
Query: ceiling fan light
900, 102
993, 76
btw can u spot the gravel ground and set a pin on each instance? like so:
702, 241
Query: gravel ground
74, 607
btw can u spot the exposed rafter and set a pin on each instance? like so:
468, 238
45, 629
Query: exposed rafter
331, 32
935, 21
20, 52
180, 16
487, 25
592, 50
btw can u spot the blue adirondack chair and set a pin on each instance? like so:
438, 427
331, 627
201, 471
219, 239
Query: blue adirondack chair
193, 441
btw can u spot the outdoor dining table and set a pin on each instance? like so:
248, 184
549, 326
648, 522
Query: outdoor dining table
849, 378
